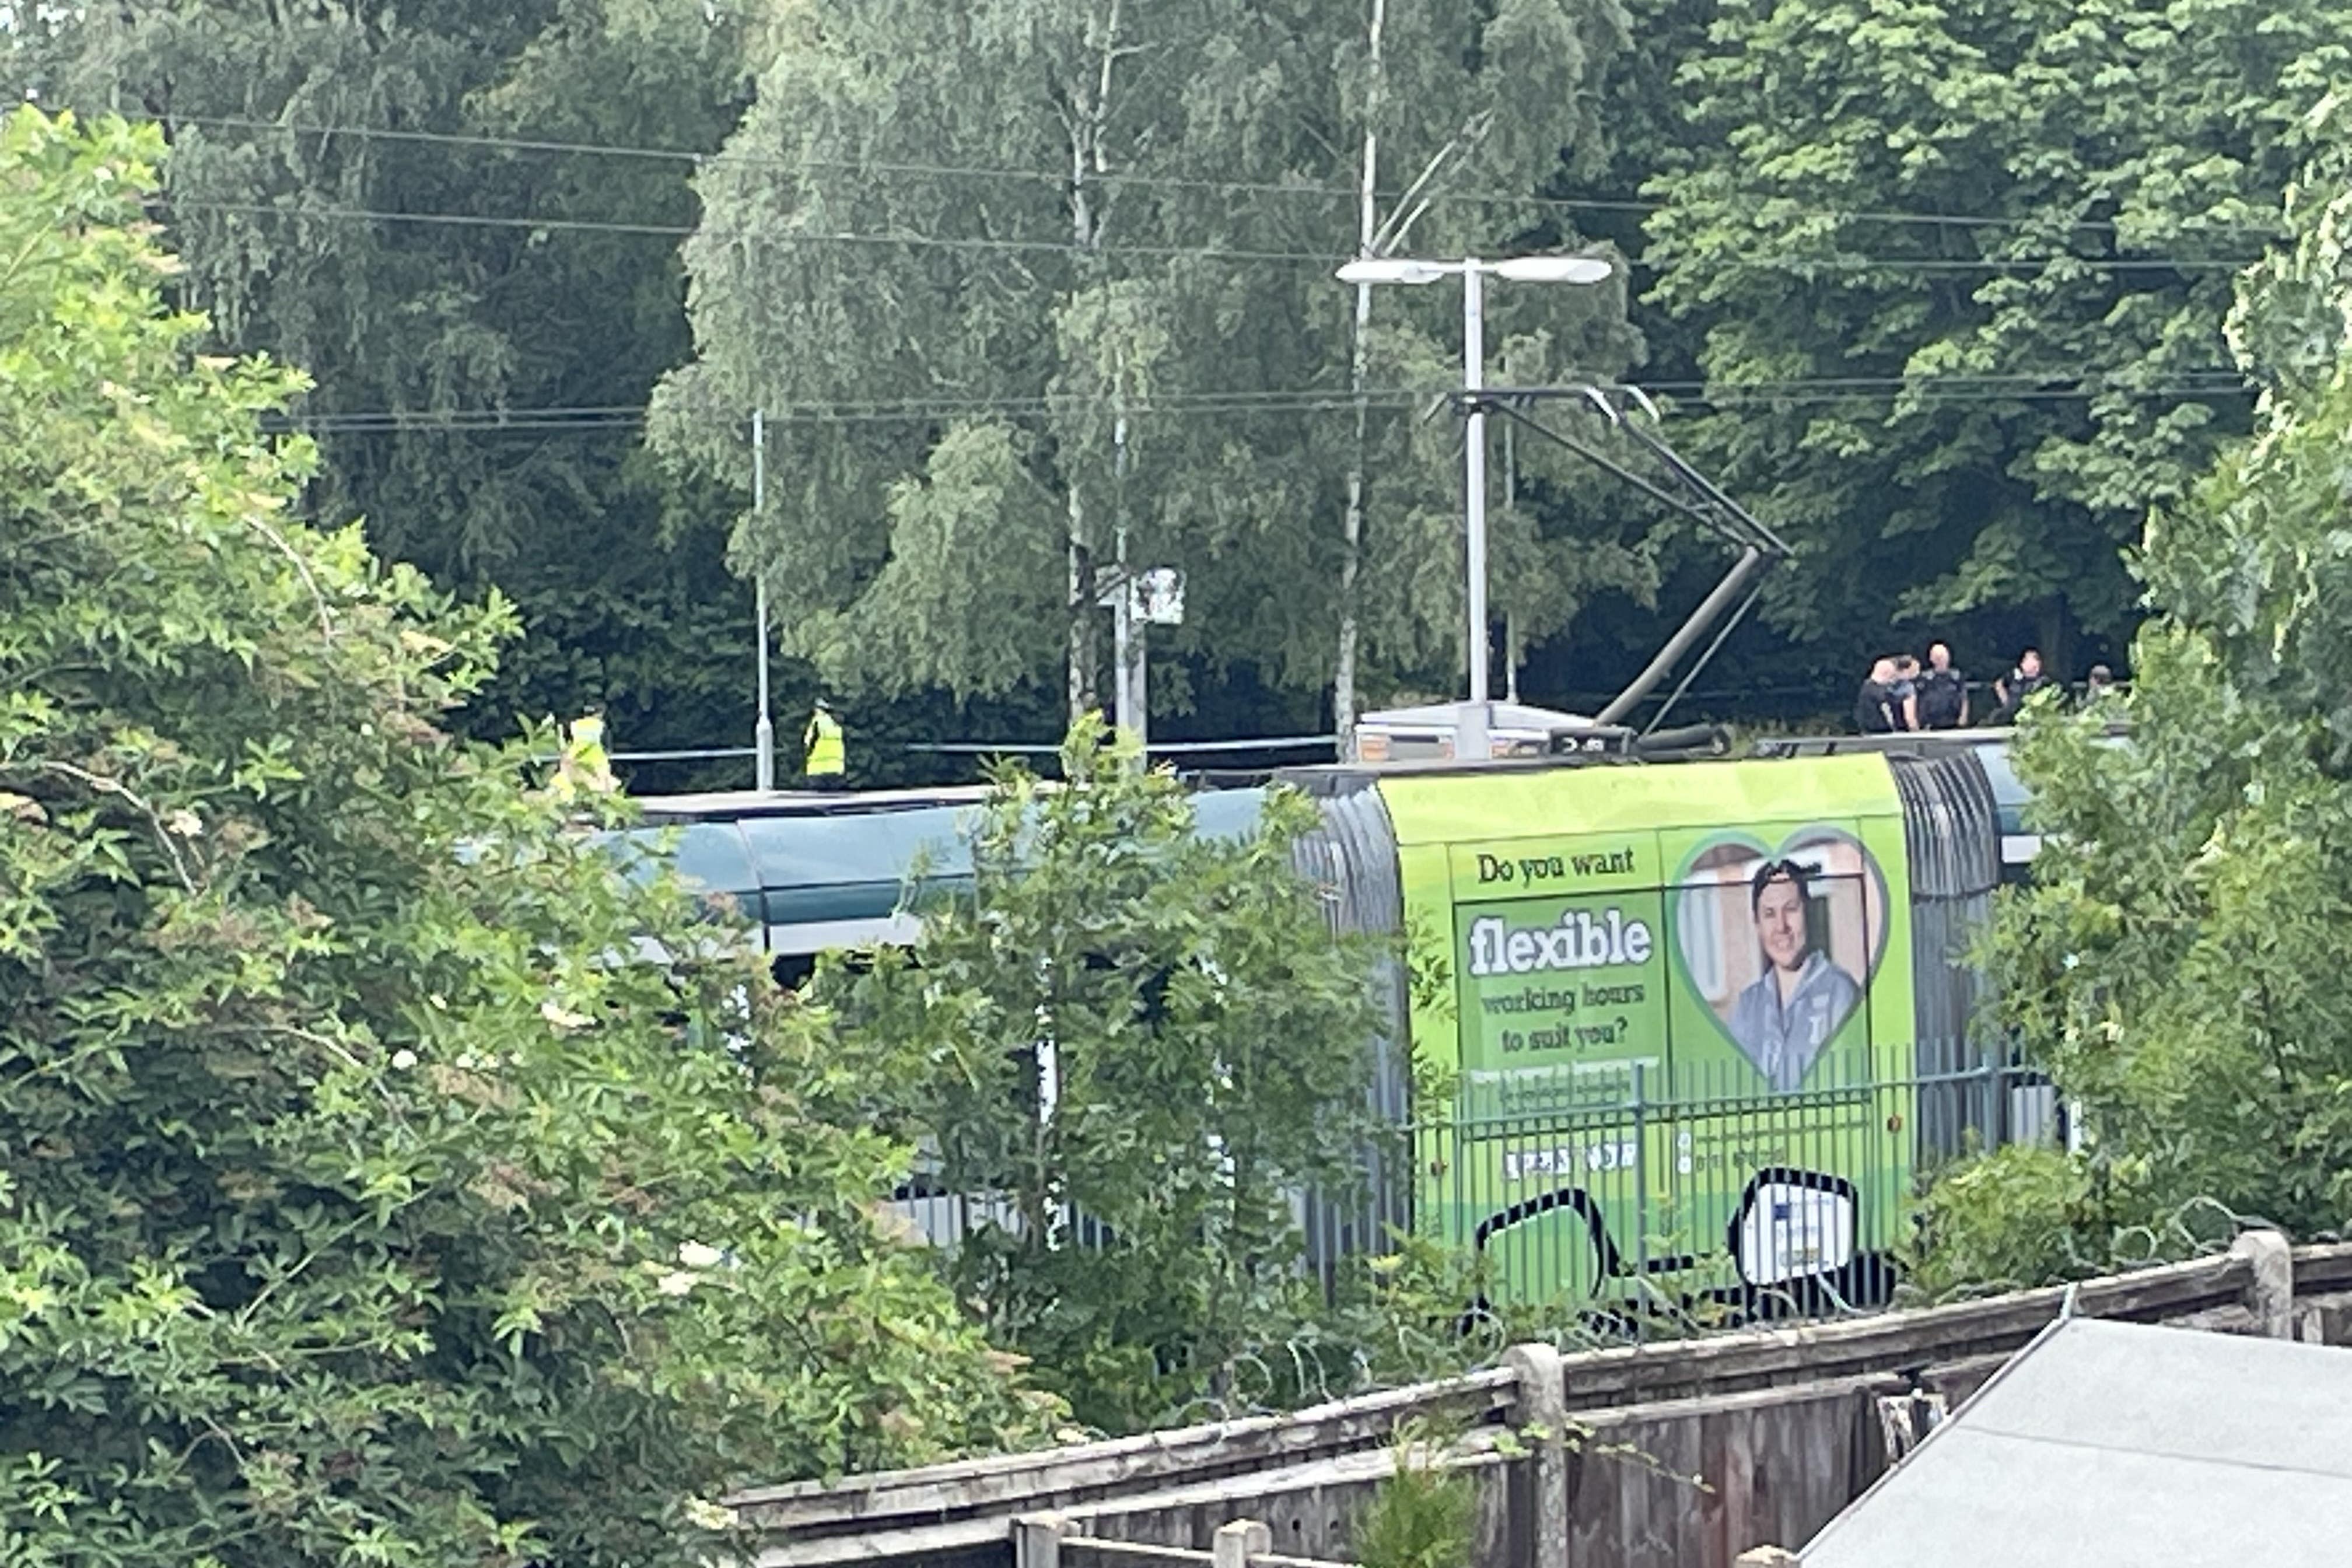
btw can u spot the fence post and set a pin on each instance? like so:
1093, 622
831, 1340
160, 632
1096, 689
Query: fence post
1641, 1194
1037, 1539
1539, 1411
2270, 1294
1237, 1542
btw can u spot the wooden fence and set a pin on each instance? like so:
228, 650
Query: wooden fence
1051, 1542
1675, 1455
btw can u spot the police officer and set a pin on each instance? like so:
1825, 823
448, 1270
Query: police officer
827, 757
2019, 684
1903, 697
1943, 692
1874, 709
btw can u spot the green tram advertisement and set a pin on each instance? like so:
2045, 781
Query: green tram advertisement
1619, 1006
1680, 1034
1668, 1034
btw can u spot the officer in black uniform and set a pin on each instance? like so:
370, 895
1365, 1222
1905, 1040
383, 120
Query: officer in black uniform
1874, 711
1943, 692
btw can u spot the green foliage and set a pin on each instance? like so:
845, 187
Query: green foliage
1424, 1515
1208, 1044
2178, 965
284, 201
1132, 326
358, 1207
2011, 1219
2092, 175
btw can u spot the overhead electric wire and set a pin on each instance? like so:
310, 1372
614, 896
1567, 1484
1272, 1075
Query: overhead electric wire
1796, 392
1179, 182
1998, 396
1792, 264
1242, 396
763, 236
1983, 264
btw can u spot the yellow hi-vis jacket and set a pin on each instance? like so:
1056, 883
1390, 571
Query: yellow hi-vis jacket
825, 755
583, 768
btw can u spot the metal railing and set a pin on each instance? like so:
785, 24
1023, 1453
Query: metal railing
1651, 1200
1692, 1198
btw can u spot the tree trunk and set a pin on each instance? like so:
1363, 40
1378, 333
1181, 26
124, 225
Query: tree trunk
2055, 654
1510, 616
1088, 120
1083, 653
1343, 674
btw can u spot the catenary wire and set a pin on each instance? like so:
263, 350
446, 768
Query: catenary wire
2222, 377
1792, 264
1181, 181
424, 425
678, 231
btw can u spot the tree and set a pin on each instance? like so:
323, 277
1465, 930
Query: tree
397, 198
1047, 291
2178, 965
1962, 287
1130, 1044
359, 1206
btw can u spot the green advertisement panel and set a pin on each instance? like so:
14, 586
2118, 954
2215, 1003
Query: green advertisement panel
1674, 1005
1559, 959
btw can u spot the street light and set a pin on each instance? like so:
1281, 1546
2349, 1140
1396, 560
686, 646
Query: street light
764, 732
1518, 269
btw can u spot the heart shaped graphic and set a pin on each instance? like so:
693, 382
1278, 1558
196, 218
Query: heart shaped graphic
1779, 944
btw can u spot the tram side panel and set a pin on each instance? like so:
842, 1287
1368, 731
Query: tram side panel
1676, 1011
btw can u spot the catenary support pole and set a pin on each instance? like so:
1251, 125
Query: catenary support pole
1473, 471
1122, 638
1127, 637
1138, 691
764, 733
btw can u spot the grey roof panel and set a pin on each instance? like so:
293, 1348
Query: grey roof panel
2111, 1445
729, 805
2004, 1502
2198, 1397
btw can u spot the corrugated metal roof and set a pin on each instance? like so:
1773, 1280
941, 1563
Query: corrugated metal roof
2107, 1444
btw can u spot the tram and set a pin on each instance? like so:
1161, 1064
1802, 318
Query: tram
1668, 1028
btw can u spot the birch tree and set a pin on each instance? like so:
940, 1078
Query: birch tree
352, 187
1094, 241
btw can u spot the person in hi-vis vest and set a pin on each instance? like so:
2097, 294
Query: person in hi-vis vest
582, 768
827, 756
